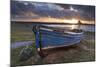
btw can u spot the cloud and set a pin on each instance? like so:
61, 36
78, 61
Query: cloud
40, 9
49, 6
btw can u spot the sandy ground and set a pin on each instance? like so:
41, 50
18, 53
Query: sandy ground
75, 53
82, 52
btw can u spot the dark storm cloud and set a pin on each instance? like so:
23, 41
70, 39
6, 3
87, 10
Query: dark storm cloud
85, 11
38, 9
88, 11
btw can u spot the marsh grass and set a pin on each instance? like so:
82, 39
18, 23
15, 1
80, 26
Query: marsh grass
21, 32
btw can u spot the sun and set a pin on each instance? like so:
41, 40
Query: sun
73, 20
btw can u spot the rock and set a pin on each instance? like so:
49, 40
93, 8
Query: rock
26, 53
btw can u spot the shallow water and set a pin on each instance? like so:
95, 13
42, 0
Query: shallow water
90, 28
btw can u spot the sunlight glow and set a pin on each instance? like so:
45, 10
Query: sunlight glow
55, 20
74, 21
74, 26
70, 21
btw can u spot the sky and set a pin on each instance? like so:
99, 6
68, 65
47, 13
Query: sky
51, 12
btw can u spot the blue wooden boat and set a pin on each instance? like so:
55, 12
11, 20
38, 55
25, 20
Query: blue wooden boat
52, 37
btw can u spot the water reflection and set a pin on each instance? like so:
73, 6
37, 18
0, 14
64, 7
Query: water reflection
90, 28
74, 26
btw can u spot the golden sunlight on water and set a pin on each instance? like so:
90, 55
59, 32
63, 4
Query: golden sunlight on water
74, 26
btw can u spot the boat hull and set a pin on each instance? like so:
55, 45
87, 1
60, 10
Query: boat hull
50, 39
